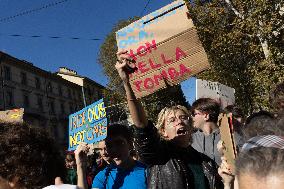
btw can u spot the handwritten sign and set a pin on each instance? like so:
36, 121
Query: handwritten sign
227, 136
166, 48
88, 125
15, 115
222, 93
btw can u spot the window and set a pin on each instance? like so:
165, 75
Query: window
37, 83
40, 103
62, 108
71, 108
88, 91
9, 98
49, 87
26, 101
79, 96
100, 95
74, 95
69, 93
23, 78
7, 73
51, 106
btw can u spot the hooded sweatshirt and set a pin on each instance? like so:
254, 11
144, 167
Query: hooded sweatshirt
207, 144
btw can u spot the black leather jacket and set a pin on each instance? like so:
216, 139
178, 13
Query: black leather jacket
171, 166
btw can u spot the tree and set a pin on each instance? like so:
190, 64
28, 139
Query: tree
244, 43
153, 103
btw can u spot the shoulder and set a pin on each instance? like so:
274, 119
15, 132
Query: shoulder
196, 156
197, 134
150, 126
140, 165
102, 171
197, 137
100, 177
192, 151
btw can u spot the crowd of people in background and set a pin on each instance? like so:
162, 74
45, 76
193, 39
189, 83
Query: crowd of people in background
179, 150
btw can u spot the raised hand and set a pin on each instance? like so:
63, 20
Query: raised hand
124, 65
81, 154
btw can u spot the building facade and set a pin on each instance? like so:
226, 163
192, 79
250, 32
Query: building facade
91, 90
47, 98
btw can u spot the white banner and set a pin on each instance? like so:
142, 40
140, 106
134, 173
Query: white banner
223, 94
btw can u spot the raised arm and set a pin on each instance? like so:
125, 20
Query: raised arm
135, 107
81, 161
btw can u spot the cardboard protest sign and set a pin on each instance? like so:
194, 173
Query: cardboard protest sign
88, 125
227, 136
15, 115
166, 48
221, 93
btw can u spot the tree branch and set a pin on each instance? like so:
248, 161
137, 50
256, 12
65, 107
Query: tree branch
231, 6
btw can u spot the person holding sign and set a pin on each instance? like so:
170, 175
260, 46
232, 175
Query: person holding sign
205, 112
123, 172
173, 163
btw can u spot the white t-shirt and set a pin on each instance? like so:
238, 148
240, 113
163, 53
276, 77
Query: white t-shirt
61, 186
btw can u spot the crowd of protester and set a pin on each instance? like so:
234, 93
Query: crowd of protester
179, 150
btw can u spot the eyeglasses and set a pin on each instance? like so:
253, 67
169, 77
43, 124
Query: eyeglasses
174, 119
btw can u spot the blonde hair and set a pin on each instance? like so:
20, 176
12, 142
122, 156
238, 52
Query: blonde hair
160, 125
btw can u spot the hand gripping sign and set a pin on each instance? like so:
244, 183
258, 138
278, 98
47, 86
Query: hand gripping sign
165, 47
88, 125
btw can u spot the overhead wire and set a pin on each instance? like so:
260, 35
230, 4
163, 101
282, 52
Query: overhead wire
142, 12
40, 36
32, 10
50, 37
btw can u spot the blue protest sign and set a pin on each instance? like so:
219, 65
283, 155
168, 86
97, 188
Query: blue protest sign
88, 125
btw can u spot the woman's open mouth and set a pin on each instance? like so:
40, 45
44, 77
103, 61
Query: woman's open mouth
182, 131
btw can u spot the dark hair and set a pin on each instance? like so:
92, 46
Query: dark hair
235, 110
29, 154
260, 114
120, 130
209, 106
260, 123
70, 157
260, 161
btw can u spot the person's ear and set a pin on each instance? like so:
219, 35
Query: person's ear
206, 116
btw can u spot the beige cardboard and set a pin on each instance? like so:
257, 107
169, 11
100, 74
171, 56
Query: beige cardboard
15, 115
229, 141
165, 46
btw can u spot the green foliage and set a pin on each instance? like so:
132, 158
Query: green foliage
234, 47
152, 103
107, 55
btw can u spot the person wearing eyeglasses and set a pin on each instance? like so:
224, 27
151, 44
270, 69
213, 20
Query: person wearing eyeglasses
205, 112
165, 147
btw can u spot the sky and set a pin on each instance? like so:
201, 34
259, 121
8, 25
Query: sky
66, 19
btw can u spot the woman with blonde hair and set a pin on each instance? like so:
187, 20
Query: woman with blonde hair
166, 149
